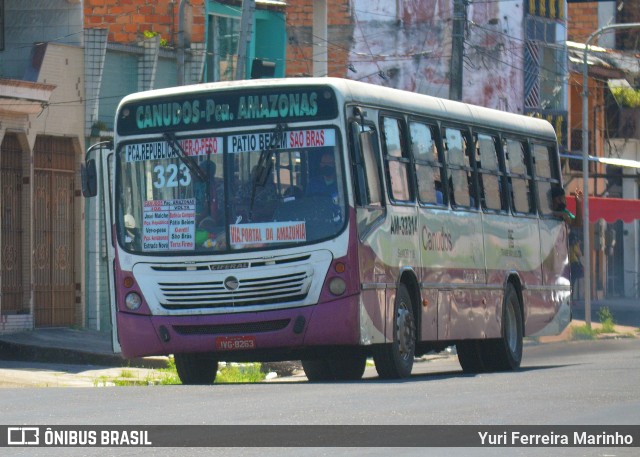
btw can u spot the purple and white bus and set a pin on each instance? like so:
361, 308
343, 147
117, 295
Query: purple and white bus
329, 221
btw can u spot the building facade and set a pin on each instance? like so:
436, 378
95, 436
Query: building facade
613, 133
41, 143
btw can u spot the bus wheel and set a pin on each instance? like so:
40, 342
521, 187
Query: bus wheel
198, 368
342, 367
471, 355
505, 353
395, 360
348, 367
317, 370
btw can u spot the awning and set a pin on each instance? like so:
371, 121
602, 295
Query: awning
609, 209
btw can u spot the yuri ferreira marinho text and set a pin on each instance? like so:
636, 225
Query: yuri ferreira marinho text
555, 439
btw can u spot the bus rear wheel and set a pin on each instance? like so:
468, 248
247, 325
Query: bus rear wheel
395, 360
198, 368
505, 353
500, 354
344, 367
471, 355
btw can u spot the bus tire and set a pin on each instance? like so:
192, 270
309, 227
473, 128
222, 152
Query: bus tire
471, 355
349, 367
395, 360
505, 353
317, 370
339, 368
198, 368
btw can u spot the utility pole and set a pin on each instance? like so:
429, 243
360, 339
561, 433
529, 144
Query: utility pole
246, 29
320, 38
457, 49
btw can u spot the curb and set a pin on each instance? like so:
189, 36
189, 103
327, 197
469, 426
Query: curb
620, 331
24, 352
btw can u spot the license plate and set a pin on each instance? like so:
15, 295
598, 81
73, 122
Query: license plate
233, 343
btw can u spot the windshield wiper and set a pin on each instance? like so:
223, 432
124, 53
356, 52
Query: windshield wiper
263, 168
187, 160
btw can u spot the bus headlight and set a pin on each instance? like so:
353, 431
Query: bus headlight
337, 286
132, 301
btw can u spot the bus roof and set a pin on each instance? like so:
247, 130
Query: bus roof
378, 96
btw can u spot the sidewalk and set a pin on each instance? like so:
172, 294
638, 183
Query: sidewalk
66, 357
625, 311
69, 346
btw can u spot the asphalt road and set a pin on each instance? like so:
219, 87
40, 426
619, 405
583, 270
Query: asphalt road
591, 382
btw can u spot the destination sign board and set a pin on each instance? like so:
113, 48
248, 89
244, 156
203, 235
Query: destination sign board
218, 109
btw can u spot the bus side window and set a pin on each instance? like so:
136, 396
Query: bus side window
428, 166
491, 195
547, 175
460, 171
397, 161
518, 176
364, 155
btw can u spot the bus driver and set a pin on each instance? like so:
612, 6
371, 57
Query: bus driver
324, 183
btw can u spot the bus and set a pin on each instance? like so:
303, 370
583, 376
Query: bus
329, 221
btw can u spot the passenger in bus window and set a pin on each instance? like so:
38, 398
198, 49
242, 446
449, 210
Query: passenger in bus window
255, 201
265, 198
324, 183
208, 193
439, 197
559, 207
209, 211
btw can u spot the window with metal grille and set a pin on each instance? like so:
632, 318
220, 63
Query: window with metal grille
12, 234
544, 62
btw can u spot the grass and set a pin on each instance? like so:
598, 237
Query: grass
606, 320
227, 373
230, 373
583, 332
607, 325
127, 377
125, 373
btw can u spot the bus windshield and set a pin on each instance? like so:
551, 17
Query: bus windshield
237, 191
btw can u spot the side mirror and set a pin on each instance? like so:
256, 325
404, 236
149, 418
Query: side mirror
89, 178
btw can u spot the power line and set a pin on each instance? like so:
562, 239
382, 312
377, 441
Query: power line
421, 55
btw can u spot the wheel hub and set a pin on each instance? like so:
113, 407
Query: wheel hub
405, 331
